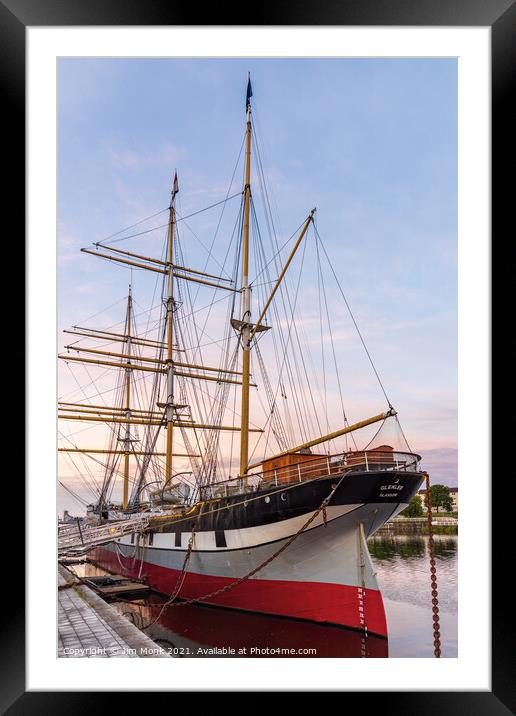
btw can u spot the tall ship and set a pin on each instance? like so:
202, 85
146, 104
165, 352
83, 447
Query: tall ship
243, 483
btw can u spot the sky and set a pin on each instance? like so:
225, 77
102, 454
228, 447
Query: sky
372, 143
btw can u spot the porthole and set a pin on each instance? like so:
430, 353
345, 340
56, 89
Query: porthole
267, 499
284, 497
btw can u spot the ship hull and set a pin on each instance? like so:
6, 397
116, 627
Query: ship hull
324, 575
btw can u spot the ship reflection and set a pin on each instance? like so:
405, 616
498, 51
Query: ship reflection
202, 631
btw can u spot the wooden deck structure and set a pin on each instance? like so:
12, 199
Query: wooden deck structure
88, 627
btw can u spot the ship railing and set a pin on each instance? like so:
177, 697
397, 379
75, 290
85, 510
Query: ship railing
311, 469
85, 536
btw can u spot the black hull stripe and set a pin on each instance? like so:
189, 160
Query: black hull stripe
276, 504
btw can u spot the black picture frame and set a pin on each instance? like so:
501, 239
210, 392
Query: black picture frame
500, 15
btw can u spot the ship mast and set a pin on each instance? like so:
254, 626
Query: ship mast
170, 335
246, 298
127, 407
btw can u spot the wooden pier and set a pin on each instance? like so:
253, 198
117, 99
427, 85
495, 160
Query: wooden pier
89, 627
112, 586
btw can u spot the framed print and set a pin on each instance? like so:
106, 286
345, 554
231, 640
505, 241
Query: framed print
275, 464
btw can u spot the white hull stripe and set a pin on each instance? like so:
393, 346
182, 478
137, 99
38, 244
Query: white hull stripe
243, 538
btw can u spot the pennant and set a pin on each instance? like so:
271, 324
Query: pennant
175, 187
249, 94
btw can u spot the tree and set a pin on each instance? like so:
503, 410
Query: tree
414, 509
440, 495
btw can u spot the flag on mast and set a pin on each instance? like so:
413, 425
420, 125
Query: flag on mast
249, 93
175, 187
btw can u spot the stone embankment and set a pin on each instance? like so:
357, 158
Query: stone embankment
418, 525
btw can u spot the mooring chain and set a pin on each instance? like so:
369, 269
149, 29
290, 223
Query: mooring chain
254, 571
179, 582
433, 571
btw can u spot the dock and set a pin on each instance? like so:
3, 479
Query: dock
114, 586
89, 627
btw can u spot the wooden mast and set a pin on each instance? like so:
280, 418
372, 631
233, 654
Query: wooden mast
246, 300
170, 334
258, 323
127, 406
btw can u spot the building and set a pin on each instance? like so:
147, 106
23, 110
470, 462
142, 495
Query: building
454, 494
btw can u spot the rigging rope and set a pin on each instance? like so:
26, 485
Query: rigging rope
105, 242
353, 319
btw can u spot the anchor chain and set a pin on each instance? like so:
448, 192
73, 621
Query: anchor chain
179, 582
433, 571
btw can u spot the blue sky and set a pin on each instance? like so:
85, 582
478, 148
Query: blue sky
372, 143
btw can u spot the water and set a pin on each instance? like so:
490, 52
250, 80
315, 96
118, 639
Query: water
403, 571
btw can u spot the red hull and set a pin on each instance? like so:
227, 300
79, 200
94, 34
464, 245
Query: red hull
261, 635
349, 606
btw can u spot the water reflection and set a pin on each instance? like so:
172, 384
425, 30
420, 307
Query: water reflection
402, 566
408, 547
389, 547
445, 547
202, 631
